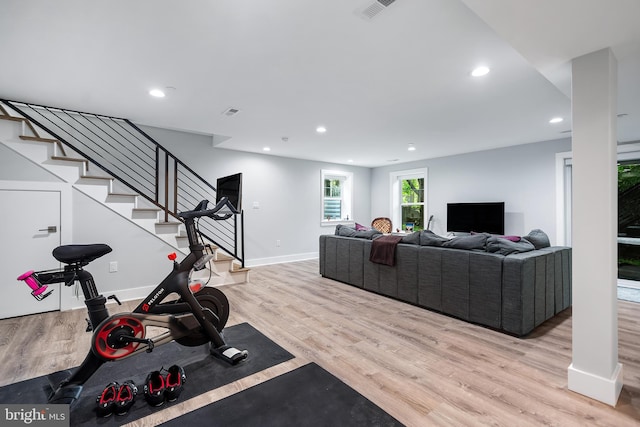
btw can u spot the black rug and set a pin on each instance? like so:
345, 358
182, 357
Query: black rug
308, 396
203, 371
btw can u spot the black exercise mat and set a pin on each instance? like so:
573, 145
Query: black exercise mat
308, 396
203, 371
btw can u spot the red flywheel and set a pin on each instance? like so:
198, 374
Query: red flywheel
109, 340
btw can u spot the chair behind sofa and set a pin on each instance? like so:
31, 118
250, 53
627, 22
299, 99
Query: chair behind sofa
382, 224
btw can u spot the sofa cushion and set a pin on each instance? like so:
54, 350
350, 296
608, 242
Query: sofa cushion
412, 239
429, 238
503, 246
360, 227
476, 242
538, 238
346, 231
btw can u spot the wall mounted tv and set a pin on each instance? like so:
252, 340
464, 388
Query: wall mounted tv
478, 217
231, 187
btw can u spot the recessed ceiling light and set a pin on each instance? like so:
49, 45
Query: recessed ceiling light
556, 120
350, 161
266, 149
480, 71
411, 147
157, 93
321, 129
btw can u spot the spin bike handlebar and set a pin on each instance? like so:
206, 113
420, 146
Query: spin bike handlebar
201, 210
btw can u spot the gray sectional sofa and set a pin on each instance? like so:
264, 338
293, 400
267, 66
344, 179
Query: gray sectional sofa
512, 293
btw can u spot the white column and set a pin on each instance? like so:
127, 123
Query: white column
595, 371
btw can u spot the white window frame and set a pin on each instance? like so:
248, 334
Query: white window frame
346, 196
564, 163
396, 178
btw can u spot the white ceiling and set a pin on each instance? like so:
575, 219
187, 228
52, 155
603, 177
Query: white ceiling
377, 84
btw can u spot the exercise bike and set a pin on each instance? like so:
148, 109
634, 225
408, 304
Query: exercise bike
191, 320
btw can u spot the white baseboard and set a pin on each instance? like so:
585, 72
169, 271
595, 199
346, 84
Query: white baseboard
281, 259
606, 390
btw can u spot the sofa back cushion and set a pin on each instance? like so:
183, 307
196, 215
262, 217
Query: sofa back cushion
412, 238
538, 238
346, 231
429, 238
476, 242
502, 246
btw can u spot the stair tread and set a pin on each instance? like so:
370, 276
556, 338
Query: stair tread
12, 118
37, 138
96, 177
70, 159
123, 194
148, 210
168, 223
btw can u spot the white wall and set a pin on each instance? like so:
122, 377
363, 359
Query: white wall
288, 192
141, 257
522, 176
14, 167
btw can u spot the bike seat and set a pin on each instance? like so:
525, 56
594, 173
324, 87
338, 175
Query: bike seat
84, 254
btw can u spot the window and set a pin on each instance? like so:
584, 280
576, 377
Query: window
412, 204
628, 236
336, 196
408, 199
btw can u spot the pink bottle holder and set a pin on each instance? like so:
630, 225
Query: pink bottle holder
37, 288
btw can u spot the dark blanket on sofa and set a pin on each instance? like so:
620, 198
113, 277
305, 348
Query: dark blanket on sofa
383, 250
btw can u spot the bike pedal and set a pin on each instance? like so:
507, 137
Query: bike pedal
230, 354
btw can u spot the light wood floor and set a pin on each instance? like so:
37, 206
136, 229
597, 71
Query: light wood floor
423, 368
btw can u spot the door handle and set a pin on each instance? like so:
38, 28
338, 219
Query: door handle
50, 229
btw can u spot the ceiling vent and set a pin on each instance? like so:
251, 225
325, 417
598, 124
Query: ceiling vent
371, 10
230, 112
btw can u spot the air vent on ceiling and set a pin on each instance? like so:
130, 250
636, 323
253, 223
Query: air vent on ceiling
371, 10
230, 112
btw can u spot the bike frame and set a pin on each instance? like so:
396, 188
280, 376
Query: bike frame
152, 311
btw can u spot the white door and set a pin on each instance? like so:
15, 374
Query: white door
27, 242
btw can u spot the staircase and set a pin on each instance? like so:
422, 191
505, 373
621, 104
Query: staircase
36, 143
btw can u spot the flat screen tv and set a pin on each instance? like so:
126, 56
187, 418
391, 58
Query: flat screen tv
477, 217
231, 187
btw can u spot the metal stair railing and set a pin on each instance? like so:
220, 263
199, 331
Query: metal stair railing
125, 152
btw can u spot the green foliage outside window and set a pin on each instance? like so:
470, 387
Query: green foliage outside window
413, 190
628, 176
628, 220
332, 188
413, 203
